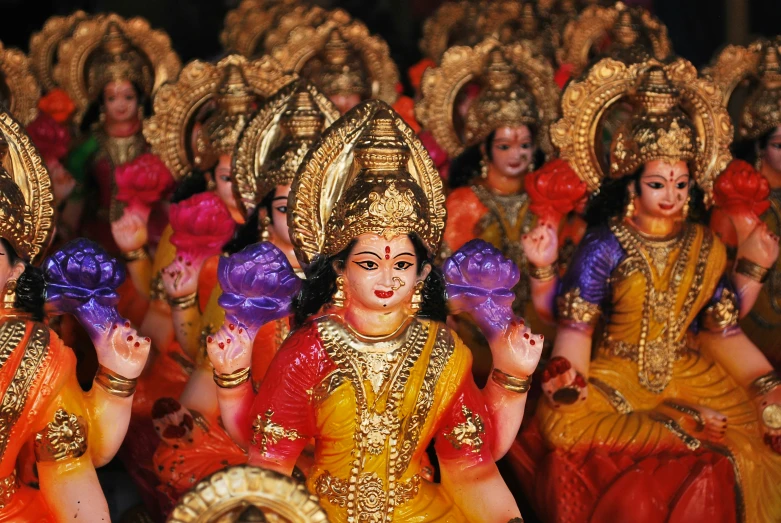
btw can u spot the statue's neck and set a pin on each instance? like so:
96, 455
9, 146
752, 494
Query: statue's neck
658, 228
502, 184
371, 323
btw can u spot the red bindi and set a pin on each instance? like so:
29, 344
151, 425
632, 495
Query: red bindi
387, 253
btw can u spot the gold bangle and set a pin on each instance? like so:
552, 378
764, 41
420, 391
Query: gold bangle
511, 383
546, 273
232, 380
765, 383
135, 255
184, 302
115, 384
752, 270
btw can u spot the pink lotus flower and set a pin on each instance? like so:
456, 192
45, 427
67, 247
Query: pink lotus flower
143, 182
50, 137
201, 225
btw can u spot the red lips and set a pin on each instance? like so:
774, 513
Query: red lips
666, 207
383, 294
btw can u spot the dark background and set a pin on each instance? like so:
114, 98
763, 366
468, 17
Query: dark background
697, 28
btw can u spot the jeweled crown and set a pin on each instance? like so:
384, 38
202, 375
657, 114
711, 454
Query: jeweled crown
117, 60
762, 111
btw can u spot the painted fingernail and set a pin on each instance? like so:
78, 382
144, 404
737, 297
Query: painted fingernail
136, 344
531, 342
221, 345
231, 326
130, 338
147, 340
114, 327
188, 264
228, 340
127, 324
209, 339
526, 335
241, 330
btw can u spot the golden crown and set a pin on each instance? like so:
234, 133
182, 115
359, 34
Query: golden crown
117, 60
762, 111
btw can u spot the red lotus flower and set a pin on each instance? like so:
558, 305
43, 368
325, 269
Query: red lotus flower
201, 225
143, 182
563, 74
51, 138
57, 104
740, 198
555, 190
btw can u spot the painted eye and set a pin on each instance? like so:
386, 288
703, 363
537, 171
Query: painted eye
655, 185
403, 265
526, 146
225, 179
682, 185
503, 147
282, 209
367, 265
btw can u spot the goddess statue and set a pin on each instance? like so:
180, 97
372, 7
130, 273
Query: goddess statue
759, 133
371, 372
44, 409
676, 417
503, 136
341, 58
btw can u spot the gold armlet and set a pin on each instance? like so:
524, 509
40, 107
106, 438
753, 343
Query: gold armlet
751, 270
232, 380
185, 302
765, 383
511, 383
135, 255
546, 273
64, 438
115, 384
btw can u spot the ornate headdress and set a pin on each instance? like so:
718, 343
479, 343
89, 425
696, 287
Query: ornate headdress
247, 26
236, 81
105, 48
340, 55
369, 173
276, 141
26, 209
636, 36
679, 117
761, 62
19, 85
517, 89
44, 43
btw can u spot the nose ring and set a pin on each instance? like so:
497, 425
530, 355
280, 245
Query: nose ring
399, 283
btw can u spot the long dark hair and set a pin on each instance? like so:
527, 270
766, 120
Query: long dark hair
613, 197
751, 150
320, 284
466, 166
30, 286
92, 114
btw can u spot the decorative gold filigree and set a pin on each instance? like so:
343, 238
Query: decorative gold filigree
340, 55
63, 438
44, 43
616, 399
177, 104
9, 486
636, 36
275, 142
336, 490
20, 85
298, 16
17, 391
266, 432
226, 494
517, 89
324, 217
723, 314
609, 82
76, 56
468, 433
572, 307
246, 26
26, 210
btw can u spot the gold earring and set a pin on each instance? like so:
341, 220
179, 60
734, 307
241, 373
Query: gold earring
264, 234
686, 207
339, 295
9, 294
211, 185
483, 168
417, 297
102, 116
140, 113
758, 164
630, 207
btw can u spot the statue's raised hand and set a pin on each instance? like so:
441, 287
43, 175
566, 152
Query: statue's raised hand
541, 245
258, 285
180, 277
130, 231
230, 348
761, 246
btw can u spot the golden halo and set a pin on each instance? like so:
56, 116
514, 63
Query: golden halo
304, 43
586, 101
247, 25
262, 136
327, 172
176, 104
460, 65
29, 173
300, 15
228, 492
44, 43
23, 89
74, 54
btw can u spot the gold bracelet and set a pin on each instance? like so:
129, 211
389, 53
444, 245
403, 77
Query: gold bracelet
751, 270
114, 383
546, 273
232, 380
765, 383
135, 255
512, 383
184, 302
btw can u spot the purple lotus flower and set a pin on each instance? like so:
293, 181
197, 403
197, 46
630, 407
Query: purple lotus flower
258, 286
479, 281
82, 279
